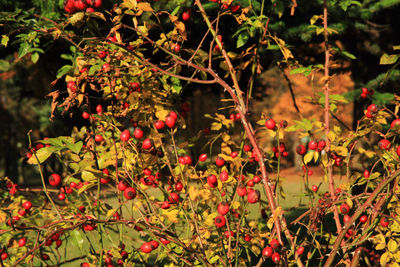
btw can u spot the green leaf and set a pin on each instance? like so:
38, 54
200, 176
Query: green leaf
77, 239
63, 70
42, 154
93, 69
76, 147
23, 49
35, 57
176, 10
348, 55
242, 39
4, 40
388, 59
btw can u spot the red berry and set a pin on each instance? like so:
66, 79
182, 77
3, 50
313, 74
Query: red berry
220, 221
247, 238
170, 121
80, 4
188, 160
276, 257
344, 208
138, 133
301, 150
212, 181
253, 196
372, 108
346, 218
300, 250
223, 176
203, 157
366, 174
229, 234
270, 124
384, 144
234, 154
147, 144
321, 144
99, 109
4, 256
164, 241
97, 3
173, 198
125, 135
85, 115
235, 8
220, 162
55, 180
179, 186
106, 67
122, 185
61, 196
22, 242
246, 148
154, 244
363, 96
27, 205
223, 208
241, 190
22, 212
186, 14
173, 114
274, 243
135, 86
394, 123
267, 251
314, 188
146, 247
363, 219
250, 183
159, 125
165, 205
89, 9
384, 221
102, 54
312, 144
398, 151
130, 193
256, 179
177, 48
98, 138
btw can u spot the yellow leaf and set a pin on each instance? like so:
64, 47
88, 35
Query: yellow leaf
216, 126
171, 214
308, 157
384, 258
235, 205
332, 136
209, 221
144, 6
392, 245
380, 246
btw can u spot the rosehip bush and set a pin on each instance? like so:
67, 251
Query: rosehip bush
133, 189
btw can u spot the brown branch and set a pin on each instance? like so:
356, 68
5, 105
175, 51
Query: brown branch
357, 214
327, 113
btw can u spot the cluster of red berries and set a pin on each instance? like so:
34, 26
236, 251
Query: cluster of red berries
271, 251
234, 116
71, 6
280, 150
365, 92
225, 5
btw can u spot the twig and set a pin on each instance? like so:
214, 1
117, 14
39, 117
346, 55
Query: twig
328, 142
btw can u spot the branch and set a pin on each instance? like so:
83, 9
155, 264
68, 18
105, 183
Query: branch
327, 112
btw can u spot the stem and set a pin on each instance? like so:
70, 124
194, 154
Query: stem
42, 176
328, 142
357, 214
